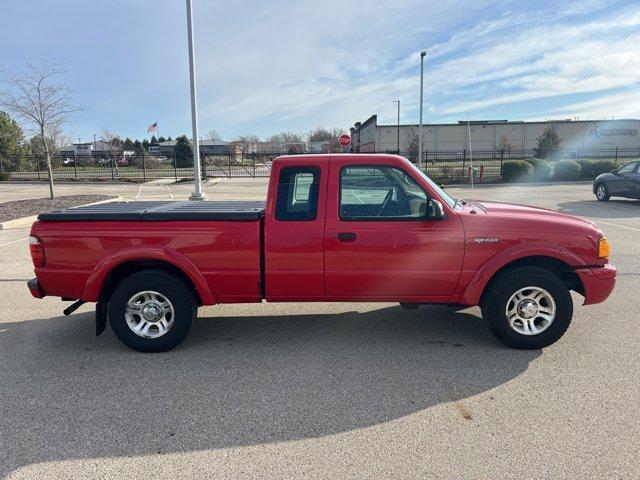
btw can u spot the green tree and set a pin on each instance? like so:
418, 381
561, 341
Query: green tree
145, 145
548, 144
183, 152
154, 140
12, 147
162, 139
169, 139
127, 144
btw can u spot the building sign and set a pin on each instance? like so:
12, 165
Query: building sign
610, 132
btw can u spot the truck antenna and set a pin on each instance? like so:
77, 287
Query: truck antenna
473, 197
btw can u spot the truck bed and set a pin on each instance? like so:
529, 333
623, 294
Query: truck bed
155, 211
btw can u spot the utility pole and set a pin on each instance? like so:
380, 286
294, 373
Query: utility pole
198, 194
398, 102
420, 136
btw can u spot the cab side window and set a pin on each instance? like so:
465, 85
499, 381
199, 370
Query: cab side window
297, 197
380, 193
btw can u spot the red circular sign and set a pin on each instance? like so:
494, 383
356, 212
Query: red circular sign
344, 140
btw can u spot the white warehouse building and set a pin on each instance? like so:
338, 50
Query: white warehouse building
368, 136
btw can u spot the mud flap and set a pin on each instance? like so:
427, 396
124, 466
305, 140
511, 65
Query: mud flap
101, 316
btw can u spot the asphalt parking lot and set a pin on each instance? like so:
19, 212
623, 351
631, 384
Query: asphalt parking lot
322, 390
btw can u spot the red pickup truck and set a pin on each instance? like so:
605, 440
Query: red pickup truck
335, 228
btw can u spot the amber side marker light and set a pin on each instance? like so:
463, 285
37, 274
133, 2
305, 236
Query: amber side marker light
604, 248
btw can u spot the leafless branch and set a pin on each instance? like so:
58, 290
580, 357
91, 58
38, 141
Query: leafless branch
39, 103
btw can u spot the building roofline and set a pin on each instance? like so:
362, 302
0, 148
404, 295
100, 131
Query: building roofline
509, 122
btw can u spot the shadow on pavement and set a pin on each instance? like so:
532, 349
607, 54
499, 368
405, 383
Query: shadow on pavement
596, 209
66, 394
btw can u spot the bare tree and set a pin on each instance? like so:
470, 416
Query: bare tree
247, 142
321, 134
40, 103
112, 138
55, 137
412, 147
287, 142
213, 135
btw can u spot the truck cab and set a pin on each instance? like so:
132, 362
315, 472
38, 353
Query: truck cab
357, 228
336, 228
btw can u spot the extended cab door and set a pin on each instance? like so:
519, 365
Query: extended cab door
380, 243
294, 230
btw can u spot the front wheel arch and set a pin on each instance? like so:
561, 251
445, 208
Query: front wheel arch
563, 270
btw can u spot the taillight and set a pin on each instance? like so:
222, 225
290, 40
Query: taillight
37, 251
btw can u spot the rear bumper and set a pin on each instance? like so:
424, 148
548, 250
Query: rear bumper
34, 288
598, 283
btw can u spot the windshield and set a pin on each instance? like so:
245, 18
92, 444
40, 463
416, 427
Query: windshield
441, 193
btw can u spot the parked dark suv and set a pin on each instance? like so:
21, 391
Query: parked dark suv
622, 182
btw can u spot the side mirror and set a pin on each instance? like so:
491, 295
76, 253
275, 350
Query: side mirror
435, 211
615, 171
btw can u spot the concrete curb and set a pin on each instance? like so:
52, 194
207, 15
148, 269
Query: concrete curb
26, 221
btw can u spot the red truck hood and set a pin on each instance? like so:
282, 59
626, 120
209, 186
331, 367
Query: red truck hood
522, 212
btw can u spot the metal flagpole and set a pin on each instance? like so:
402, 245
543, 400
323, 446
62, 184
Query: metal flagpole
197, 194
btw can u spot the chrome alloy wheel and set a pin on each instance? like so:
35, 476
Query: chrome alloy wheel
601, 192
149, 314
530, 310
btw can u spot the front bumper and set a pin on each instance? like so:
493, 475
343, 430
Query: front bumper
598, 283
34, 288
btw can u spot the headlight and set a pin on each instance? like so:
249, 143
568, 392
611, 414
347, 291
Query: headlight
604, 248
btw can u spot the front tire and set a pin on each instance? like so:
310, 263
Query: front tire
528, 308
152, 311
602, 193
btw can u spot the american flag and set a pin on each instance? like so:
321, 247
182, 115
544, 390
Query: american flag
153, 127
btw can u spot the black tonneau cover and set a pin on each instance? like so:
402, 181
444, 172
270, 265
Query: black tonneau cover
242, 211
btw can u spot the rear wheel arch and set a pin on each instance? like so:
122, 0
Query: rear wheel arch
128, 268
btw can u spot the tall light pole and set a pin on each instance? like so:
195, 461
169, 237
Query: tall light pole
398, 102
420, 137
198, 194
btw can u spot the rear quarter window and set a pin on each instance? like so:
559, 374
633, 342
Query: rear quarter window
297, 197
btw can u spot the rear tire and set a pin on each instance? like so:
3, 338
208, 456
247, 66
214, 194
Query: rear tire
602, 193
152, 311
527, 307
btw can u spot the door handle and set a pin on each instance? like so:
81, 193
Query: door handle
346, 237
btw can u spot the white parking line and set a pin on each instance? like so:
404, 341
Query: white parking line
15, 241
170, 192
616, 225
139, 190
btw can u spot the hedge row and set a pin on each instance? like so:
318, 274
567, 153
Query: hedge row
534, 169
4, 176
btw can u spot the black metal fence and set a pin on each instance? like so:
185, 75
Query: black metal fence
442, 165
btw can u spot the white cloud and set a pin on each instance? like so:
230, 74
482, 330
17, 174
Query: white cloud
307, 63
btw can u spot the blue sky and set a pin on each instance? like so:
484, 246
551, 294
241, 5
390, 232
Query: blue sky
265, 67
